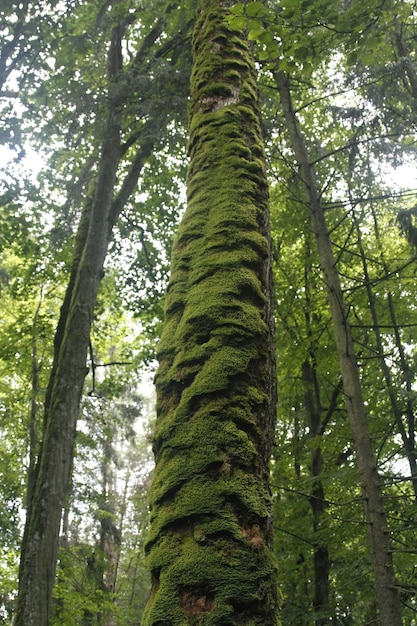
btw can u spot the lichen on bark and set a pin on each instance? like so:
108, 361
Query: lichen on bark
209, 547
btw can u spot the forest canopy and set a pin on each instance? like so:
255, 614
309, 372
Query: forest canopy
94, 162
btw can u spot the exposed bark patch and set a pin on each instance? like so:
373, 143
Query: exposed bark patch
196, 604
217, 102
253, 536
225, 468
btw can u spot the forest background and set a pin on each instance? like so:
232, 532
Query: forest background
352, 76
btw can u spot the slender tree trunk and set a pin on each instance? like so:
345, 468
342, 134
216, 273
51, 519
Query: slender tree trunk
34, 408
321, 560
40, 545
317, 421
110, 535
388, 599
210, 543
408, 438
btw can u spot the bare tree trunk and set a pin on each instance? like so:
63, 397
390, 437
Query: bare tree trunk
317, 421
110, 535
40, 544
388, 599
34, 408
321, 560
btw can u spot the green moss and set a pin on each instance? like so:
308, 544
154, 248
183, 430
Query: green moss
209, 543
189, 570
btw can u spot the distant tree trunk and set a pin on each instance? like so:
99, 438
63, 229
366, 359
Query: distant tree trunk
34, 408
110, 535
40, 543
317, 421
388, 599
321, 560
210, 543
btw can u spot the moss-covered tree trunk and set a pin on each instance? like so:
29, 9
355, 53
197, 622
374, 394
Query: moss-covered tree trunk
209, 547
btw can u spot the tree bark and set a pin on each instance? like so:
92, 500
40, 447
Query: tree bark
210, 543
381, 553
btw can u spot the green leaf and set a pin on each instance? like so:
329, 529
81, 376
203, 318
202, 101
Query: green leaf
255, 9
302, 53
255, 33
237, 23
266, 37
255, 25
238, 9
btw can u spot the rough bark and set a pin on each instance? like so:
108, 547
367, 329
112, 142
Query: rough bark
210, 543
381, 553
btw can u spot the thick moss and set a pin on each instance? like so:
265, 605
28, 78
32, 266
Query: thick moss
209, 547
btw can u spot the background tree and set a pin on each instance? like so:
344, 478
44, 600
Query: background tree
388, 599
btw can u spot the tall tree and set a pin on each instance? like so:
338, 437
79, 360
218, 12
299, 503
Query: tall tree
386, 588
40, 545
210, 543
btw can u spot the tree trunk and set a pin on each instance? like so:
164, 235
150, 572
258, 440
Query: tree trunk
321, 560
210, 543
388, 600
40, 543
110, 535
33, 417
